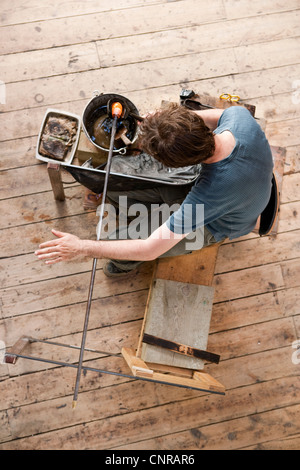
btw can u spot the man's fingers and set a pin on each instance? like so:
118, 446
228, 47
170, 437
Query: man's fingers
48, 244
53, 261
58, 234
53, 242
52, 254
46, 248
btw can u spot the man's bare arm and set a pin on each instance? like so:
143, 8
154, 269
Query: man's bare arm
67, 247
211, 117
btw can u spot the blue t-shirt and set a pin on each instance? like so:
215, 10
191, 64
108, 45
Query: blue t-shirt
235, 190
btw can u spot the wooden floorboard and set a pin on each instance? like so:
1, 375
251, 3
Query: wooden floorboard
56, 55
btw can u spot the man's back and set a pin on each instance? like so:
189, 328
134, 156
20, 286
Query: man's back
234, 190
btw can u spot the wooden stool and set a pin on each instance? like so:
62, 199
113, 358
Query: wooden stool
180, 299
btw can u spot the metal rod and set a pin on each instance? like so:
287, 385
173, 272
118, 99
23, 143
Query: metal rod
92, 281
118, 374
71, 346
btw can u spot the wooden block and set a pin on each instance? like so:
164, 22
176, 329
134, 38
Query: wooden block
178, 371
195, 268
179, 312
137, 366
189, 383
208, 381
12, 356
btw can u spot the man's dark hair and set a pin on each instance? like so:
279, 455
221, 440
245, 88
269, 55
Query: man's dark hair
176, 137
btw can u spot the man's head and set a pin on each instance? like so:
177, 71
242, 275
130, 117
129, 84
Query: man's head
176, 137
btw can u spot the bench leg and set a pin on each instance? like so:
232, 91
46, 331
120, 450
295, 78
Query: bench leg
54, 172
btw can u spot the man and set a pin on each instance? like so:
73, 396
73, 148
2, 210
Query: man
234, 186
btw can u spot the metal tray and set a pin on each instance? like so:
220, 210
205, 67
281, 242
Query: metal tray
71, 153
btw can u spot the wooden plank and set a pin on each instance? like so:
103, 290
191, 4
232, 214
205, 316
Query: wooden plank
56, 292
277, 108
13, 12
145, 75
82, 225
28, 180
5, 433
137, 366
174, 313
289, 443
265, 249
211, 382
171, 417
85, 28
283, 133
147, 99
235, 372
27, 123
36, 64
110, 340
253, 338
249, 281
292, 160
195, 268
32, 208
291, 272
290, 188
30, 388
258, 431
19, 152
297, 326
205, 37
262, 366
256, 7
254, 309
200, 382
68, 319
150, 74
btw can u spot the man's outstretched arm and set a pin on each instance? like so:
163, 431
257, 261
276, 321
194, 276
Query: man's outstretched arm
67, 247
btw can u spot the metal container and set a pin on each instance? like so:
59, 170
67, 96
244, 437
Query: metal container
97, 108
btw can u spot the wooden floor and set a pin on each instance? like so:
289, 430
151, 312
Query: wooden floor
55, 54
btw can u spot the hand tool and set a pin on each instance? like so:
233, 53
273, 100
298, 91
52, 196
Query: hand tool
229, 97
116, 112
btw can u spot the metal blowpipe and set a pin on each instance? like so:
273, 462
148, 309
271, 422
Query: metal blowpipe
116, 112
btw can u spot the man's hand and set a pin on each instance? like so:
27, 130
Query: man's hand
64, 248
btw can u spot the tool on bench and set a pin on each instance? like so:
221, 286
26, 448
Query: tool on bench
188, 99
181, 348
116, 111
229, 97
